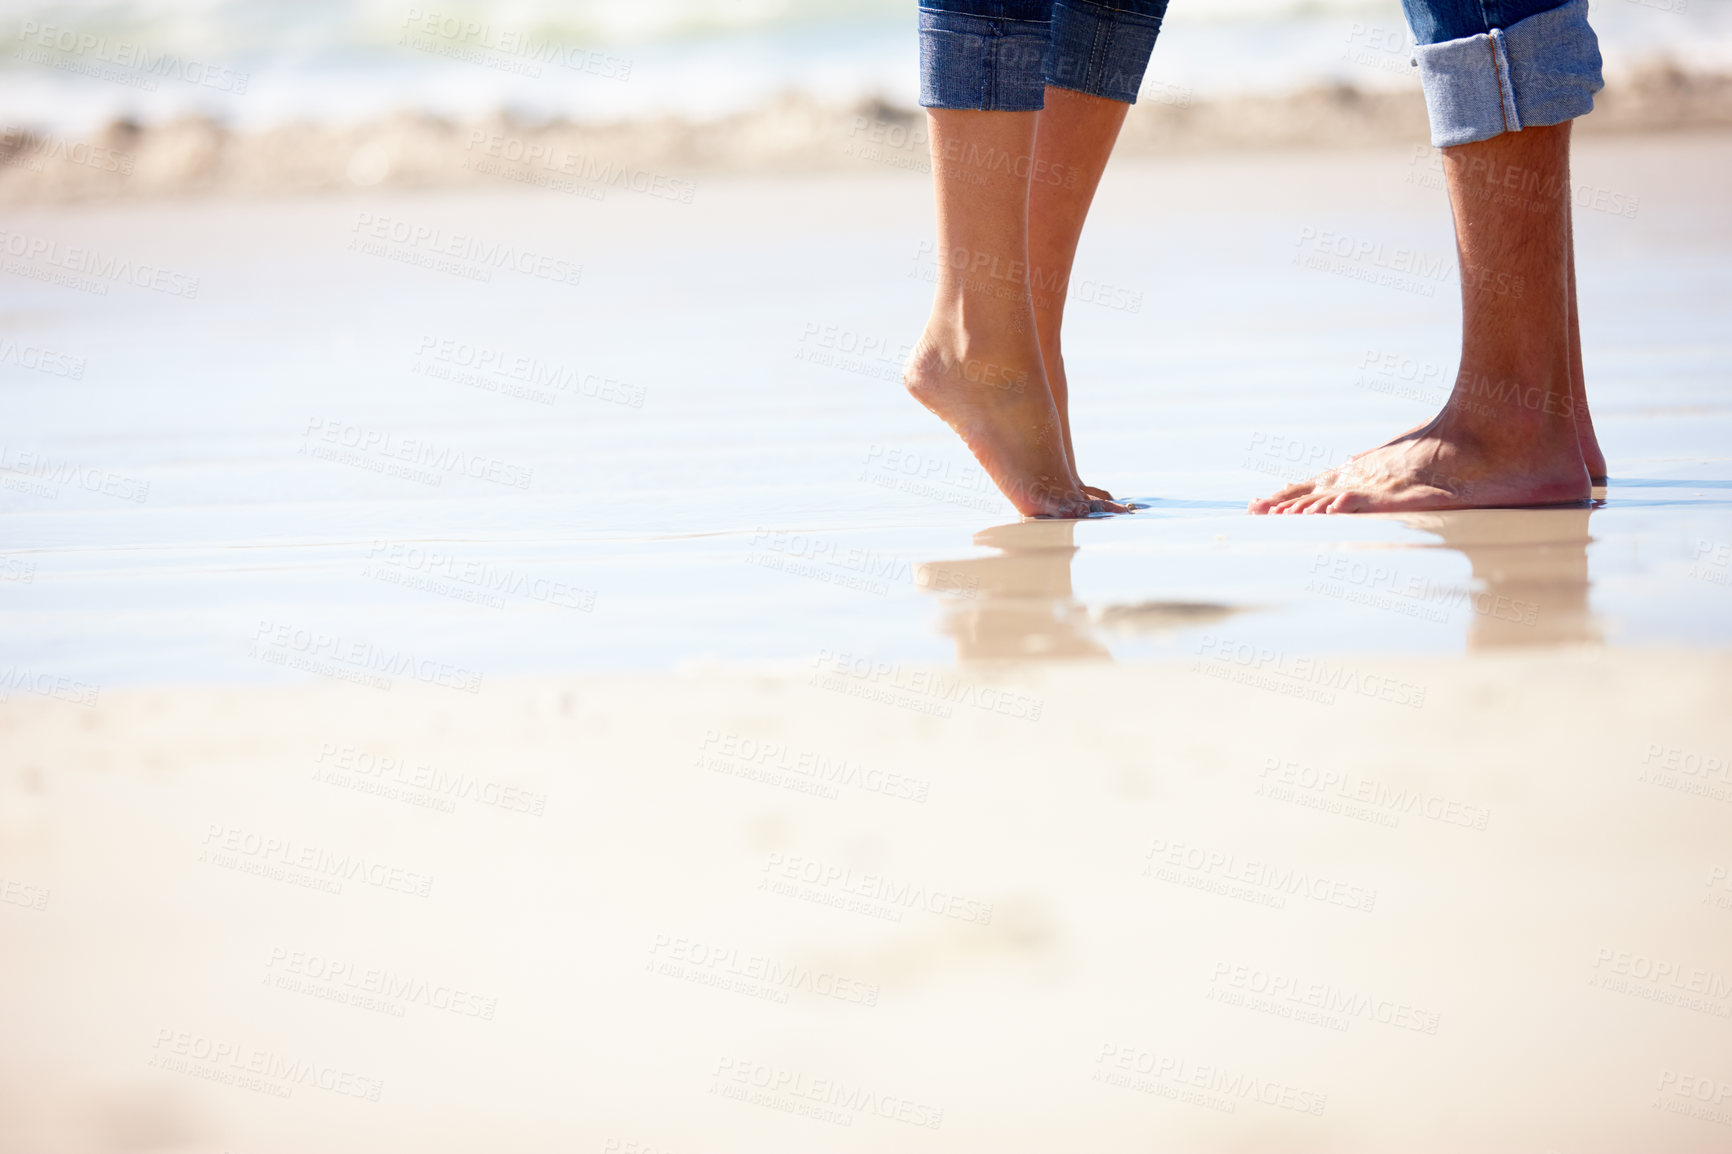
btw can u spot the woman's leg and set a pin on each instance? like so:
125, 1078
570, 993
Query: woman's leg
1074, 140
1100, 50
987, 67
978, 363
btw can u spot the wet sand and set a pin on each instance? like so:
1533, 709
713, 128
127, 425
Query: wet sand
512, 670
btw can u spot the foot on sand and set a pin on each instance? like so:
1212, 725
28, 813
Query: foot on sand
1590, 446
1451, 463
997, 401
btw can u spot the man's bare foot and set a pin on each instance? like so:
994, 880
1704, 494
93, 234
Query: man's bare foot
1447, 464
1590, 446
997, 402
1592, 458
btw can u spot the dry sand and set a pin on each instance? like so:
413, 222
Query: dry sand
1092, 908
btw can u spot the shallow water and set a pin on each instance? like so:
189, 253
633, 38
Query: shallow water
728, 471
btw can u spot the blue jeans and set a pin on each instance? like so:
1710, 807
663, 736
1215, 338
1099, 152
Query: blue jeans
1001, 54
1488, 66
1496, 66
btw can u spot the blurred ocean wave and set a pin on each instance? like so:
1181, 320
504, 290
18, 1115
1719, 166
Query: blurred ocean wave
75, 67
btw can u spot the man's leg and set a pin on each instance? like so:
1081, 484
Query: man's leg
1515, 430
1076, 136
1507, 435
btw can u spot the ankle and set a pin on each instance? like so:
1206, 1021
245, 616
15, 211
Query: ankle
1007, 327
1515, 406
943, 363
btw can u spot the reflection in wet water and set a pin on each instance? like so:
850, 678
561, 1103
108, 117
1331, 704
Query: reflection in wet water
1529, 587
1530, 573
1020, 604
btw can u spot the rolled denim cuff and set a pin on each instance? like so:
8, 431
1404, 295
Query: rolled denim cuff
981, 62
1103, 48
1538, 71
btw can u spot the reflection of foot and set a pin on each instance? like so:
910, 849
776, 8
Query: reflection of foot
997, 401
1447, 464
1016, 604
1530, 570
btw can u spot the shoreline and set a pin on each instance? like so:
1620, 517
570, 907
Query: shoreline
198, 157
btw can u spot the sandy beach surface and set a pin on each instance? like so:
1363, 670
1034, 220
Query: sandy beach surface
508, 668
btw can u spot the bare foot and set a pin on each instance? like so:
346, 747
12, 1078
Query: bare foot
997, 402
1059, 386
1585, 441
1447, 464
1590, 447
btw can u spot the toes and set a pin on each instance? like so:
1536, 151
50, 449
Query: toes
1107, 506
1069, 508
1285, 496
1098, 494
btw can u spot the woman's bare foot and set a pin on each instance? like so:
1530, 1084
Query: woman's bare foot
994, 395
1451, 463
1057, 385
